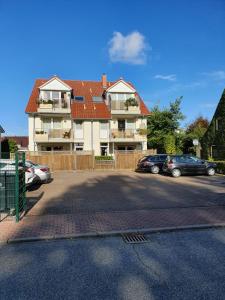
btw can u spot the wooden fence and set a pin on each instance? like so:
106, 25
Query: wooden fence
85, 160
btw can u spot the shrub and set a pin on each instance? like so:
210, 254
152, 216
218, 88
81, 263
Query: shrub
220, 167
142, 131
169, 144
131, 102
103, 157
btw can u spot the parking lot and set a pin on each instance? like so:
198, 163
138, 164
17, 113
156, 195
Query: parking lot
111, 191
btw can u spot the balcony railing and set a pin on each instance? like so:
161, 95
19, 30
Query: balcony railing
118, 105
122, 134
53, 105
43, 135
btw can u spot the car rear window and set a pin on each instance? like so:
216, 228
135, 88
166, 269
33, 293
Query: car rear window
143, 158
152, 158
163, 157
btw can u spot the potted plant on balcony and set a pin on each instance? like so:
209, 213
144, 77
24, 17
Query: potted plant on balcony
41, 135
45, 103
131, 104
142, 131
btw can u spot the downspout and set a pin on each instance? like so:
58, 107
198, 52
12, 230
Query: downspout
92, 141
34, 133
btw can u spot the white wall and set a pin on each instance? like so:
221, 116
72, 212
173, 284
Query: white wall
55, 85
31, 132
91, 136
121, 87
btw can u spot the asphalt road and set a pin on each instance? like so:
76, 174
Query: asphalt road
173, 265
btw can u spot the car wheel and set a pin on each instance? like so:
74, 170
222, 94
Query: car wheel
155, 169
176, 173
211, 171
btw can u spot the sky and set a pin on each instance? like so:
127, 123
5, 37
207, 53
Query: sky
167, 49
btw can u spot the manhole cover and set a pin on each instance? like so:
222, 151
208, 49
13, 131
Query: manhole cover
134, 238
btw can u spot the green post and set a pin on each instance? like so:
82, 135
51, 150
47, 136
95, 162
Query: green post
24, 183
17, 186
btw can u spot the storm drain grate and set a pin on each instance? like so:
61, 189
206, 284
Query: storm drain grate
134, 238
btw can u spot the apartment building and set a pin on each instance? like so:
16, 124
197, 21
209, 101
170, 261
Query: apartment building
77, 115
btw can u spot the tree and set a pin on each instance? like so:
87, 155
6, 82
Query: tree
195, 130
12, 146
162, 123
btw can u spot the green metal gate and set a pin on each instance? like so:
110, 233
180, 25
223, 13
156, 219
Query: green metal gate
13, 185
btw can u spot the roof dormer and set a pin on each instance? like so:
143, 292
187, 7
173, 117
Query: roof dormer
55, 84
121, 86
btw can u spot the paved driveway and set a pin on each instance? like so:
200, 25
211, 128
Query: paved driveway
99, 203
91, 192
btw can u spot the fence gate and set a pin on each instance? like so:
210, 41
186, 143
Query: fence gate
13, 185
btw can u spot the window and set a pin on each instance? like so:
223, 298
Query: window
57, 123
163, 157
121, 97
130, 124
58, 148
79, 129
104, 149
47, 124
127, 96
113, 96
103, 130
55, 95
46, 95
79, 98
219, 124
121, 148
97, 99
79, 146
121, 125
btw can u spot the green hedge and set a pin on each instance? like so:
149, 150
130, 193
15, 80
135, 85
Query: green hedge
220, 167
103, 158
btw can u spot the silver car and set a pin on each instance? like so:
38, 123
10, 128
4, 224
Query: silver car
42, 171
8, 165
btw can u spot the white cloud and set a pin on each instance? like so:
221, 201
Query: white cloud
208, 105
215, 75
171, 77
129, 49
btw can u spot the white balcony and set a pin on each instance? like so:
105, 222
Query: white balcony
127, 135
119, 107
53, 135
54, 106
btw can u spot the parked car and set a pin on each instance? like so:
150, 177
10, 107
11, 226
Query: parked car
9, 166
152, 163
42, 171
178, 165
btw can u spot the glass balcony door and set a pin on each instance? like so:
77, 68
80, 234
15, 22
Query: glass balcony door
121, 125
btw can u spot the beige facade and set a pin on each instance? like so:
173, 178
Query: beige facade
52, 128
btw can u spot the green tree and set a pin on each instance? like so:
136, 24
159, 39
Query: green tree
169, 144
12, 146
195, 130
163, 125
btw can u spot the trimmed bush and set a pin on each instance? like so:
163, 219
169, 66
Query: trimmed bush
220, 167
103, 158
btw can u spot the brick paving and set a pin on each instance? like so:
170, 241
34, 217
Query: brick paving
69, 225
95, 203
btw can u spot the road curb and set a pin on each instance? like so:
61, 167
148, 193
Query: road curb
111, 233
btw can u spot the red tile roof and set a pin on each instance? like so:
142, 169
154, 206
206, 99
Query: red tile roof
20, 140
87, 109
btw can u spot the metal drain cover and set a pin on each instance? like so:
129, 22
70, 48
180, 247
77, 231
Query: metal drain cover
134, 238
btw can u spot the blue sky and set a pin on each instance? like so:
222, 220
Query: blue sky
166, 48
